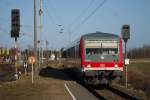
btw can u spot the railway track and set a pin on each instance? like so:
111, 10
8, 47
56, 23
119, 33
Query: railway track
7, 71
103, 92
111, 93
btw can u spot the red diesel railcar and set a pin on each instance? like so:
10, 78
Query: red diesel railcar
96, 57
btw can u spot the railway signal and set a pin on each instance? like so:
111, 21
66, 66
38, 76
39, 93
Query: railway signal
125, 32
15, 23
15, 29
126, 35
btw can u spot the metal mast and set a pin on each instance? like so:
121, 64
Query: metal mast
35, 40
40, 14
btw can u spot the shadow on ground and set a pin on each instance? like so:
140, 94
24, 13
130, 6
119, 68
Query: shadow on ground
55, 73
6, 72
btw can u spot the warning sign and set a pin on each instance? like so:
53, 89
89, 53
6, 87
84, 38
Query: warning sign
31, 60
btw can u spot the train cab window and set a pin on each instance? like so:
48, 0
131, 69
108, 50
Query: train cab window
94, 54
90, 51
112, 51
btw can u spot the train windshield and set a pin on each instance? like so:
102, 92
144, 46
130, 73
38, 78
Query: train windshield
102, 50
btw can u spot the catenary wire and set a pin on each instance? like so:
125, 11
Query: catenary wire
90, 15
81, 14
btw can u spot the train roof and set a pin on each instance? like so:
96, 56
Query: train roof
96, 35
100, 35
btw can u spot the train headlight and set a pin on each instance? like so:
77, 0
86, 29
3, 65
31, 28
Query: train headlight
88, 65
116, 66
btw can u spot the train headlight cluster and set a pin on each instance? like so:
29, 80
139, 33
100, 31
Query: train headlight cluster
116, 66
88, 65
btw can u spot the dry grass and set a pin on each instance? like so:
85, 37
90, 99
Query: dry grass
139, 76
44, 88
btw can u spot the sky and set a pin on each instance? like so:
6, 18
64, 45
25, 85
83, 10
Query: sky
63, 21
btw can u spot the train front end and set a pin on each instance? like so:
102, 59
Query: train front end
101, 58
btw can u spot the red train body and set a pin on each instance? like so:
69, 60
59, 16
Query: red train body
96, 57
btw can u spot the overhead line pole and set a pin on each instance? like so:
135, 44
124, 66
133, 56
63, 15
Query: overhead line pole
47, 55
35, 40
40, 14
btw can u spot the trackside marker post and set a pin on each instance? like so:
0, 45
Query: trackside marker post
32, 74
25, 68
31, 60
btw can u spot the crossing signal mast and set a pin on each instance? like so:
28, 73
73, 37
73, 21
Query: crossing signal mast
15, 30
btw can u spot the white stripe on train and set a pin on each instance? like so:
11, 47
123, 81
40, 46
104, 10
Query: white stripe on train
104, 68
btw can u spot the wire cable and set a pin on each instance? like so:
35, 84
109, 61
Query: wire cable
59, 19
91, 14
81, 14
49, 15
